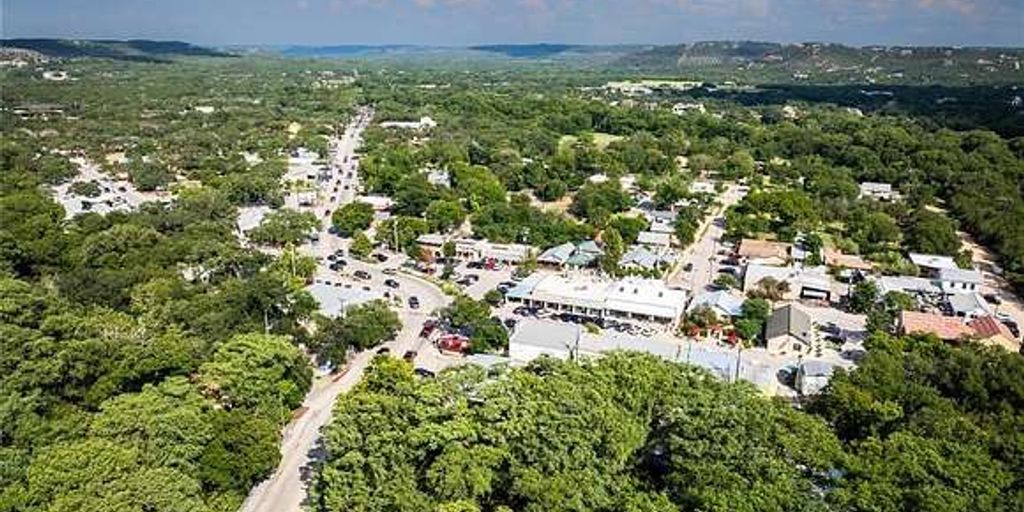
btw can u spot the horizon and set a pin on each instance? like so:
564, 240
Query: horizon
461, 23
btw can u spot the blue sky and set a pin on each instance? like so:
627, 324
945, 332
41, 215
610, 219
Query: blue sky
461, 22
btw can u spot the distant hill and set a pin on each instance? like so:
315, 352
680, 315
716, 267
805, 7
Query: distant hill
135, 49
830, 63
525, 50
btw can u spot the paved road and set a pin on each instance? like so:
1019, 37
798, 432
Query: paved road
285, 490
702, 253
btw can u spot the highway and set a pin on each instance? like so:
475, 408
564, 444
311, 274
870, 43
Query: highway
285, 490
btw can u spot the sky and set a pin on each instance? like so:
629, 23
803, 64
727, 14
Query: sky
467, 22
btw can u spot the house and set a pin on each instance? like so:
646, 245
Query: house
661, 221
629, 298
931, 264
967, 305
763, 252
572, 255
639, 257
845, 261
813, 376
724, 303
439, 178
804, 283
945, 328
988, 330
957, 280
878, 191
557, 256
789, 329
653, 239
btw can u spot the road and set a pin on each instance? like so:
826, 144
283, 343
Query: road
285, 490
702, 253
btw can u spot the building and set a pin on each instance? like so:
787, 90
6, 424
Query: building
423, 123
334, 298
702, 187
878, 191
789, 330
653, 239
931, 264
568, 254
813, 376
967, 305
946, 328
764, 252
724, 303
957, 280
845, 261
378, 203
468, 248
661, 221
682, 108
639, 257
908, 285
804, 283
629, 298
439, 177
535, 338
988, 330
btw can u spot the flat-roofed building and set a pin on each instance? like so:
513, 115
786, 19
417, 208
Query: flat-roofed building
629, 298
804, 283
764, 252
878, 191
931, 264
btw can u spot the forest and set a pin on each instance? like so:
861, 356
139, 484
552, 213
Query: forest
919, 425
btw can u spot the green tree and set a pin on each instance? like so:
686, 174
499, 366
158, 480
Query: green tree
256, 372
932, 233
284, 227
361, 246
352, 218
614, 248
445, 215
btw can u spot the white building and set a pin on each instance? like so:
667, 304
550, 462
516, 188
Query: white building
629, 298
336, 298
878, 191
682, 108
424, 123
439, 177
469, 248
955, 280
653, 239
378, 203
931, 264
724, 303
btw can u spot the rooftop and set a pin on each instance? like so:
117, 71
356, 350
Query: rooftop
959, 275
944, 327
721, 300
933, 261
789, 320
750, 248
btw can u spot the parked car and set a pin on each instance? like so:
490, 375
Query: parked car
389, 271
474, 265
510, 323
1012, 326
414, 302
391, 283
332, 257
362, 274
423, 372
381, 258
409, 355
688, 267
383, 350
992, 298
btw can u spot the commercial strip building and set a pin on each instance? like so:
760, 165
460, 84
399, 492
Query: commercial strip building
469, 248
629, 298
